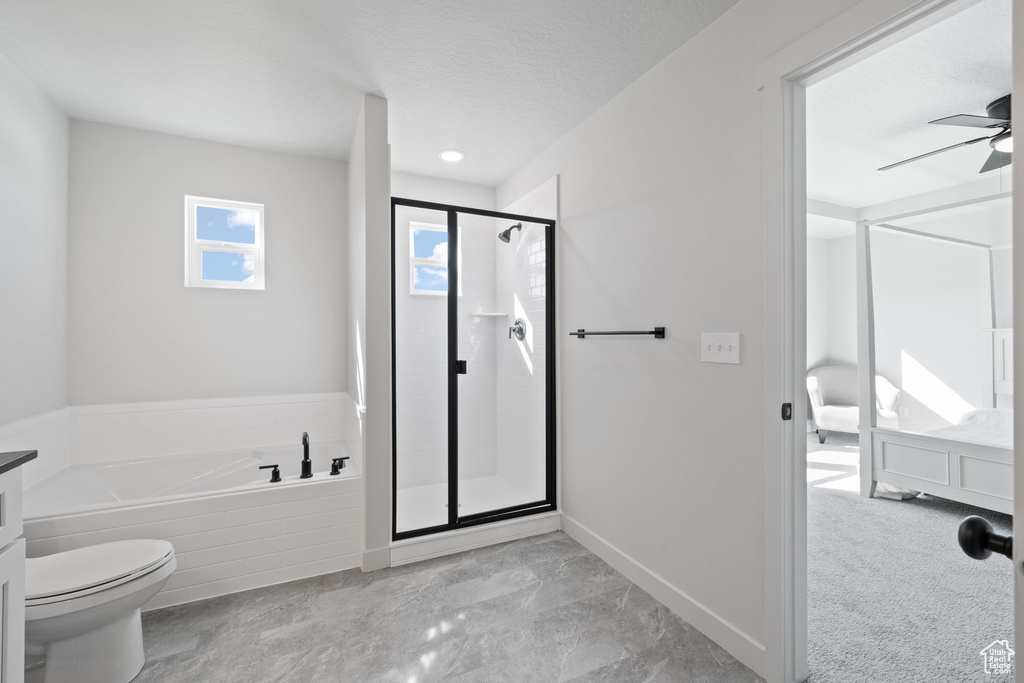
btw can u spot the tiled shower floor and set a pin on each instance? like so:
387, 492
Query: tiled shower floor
425, 506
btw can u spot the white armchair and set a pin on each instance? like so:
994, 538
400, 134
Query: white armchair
833, 392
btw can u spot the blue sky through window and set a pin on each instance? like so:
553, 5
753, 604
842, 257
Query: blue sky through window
228, 267
226, 225
429, 279
431, 244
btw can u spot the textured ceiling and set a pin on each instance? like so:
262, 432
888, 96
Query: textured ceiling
876, 112
500, 80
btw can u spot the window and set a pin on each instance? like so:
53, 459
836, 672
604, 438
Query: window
223, 244
428, 262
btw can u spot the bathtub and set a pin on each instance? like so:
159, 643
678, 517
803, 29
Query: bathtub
232, 529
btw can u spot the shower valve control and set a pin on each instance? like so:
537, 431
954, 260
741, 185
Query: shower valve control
518, 329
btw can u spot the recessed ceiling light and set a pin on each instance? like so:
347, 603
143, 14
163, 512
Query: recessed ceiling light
451, 155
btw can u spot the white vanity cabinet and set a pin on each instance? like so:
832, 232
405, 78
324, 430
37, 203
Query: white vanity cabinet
12, 568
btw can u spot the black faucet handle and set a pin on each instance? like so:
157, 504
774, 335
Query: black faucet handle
338, 464
275, 475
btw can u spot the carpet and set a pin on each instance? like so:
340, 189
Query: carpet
891, 597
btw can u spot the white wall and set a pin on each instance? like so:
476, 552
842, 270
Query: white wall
661, 196
817, 302
1002, 285
931, 302
369, 227
33, 249
842, 301
138, 334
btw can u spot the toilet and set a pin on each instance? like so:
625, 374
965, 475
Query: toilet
83, 607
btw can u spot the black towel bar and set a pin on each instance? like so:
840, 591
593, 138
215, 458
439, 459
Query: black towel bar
658, 332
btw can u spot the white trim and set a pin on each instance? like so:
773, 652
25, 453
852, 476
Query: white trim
942, 207
907, 232
459, 540
862, 30
865, 29
195, 247
746, 649
865, 358
372, 560
197, 403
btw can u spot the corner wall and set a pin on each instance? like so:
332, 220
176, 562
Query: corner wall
34, 136
369, 360
34, 142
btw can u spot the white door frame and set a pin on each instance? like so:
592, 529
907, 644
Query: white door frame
861, 31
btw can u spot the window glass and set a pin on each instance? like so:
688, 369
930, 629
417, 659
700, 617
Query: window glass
430, 244
430, 279
226, 225
228, 266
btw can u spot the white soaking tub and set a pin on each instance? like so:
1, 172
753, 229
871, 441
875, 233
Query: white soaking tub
232, 529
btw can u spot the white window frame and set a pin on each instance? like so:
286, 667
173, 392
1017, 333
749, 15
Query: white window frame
428, 262
194, 247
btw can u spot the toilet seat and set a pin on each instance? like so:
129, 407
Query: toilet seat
77, 573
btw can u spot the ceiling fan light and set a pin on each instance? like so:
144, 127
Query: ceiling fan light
1003, 143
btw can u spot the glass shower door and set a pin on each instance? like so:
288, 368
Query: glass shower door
473, 395
421, 386
502, 409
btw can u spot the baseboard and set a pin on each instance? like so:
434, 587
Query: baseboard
735, 642
451, 542
379, 558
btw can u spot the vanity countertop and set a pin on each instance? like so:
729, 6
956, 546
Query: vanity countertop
8, 461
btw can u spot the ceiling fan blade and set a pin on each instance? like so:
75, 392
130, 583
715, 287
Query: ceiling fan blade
933, 153
996, 160
971, 121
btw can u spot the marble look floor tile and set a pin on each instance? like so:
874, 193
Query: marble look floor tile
541, 609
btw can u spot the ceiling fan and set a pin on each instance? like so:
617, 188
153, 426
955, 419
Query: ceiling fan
1001, 143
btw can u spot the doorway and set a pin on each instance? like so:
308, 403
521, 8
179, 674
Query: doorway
786, 78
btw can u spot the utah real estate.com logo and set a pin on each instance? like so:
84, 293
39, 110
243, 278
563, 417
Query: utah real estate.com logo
998, 658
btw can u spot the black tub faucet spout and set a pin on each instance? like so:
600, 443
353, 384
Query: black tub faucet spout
307, 464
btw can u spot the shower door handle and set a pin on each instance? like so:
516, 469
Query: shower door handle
460, 367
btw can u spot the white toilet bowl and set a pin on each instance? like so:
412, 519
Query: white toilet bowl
84, 607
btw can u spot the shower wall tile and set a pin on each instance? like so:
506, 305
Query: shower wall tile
101, 433
521, 376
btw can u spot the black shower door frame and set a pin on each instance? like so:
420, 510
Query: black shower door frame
548, 504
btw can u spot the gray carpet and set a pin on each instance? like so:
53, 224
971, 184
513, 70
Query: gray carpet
891, 597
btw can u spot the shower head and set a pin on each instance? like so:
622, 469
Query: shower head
506, 235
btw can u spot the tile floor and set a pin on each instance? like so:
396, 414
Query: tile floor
540, 609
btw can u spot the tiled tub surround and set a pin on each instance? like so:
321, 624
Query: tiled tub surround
101, 433
225, 541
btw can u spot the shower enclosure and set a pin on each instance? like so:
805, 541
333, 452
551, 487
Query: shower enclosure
473, 357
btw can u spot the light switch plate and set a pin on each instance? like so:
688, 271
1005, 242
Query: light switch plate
720, 347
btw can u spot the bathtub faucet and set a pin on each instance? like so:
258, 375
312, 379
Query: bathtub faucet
307, 464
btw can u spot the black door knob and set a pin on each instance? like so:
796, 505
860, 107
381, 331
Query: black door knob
979, 540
